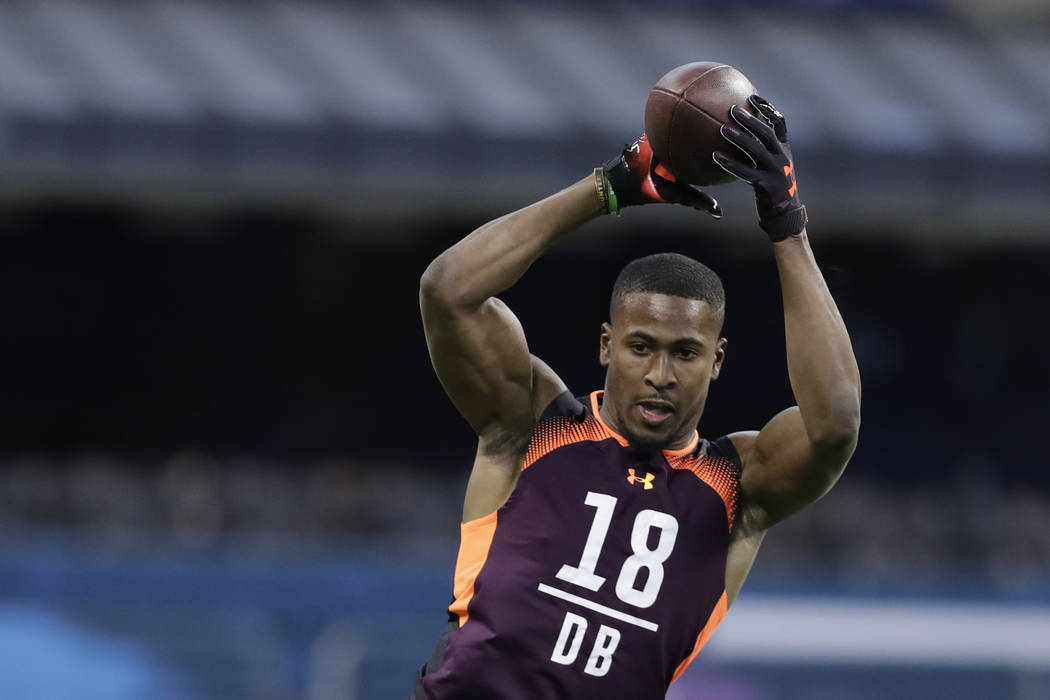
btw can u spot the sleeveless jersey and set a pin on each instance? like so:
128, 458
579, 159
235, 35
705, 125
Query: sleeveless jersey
603, 574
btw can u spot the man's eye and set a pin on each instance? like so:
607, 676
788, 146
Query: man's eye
687, 354
639, 348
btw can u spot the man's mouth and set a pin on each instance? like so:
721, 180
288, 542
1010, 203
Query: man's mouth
655, 411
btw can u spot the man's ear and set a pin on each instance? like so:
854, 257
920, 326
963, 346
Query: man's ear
604, 343
720, 356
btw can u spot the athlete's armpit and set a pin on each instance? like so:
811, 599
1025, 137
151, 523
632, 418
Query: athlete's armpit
744, 543
476, 344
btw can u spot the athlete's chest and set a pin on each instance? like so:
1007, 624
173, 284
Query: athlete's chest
594, 505
636, 482
606, 551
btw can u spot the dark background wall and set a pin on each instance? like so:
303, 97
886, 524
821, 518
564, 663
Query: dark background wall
273, 332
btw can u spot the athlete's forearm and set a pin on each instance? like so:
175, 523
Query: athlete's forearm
496, 255
821, 365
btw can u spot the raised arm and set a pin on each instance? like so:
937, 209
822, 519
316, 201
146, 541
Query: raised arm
796, 457
476, 343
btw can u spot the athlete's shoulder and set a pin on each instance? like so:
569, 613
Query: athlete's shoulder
547, 386
721, 448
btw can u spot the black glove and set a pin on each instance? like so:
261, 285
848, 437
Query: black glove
636, 178
764, 161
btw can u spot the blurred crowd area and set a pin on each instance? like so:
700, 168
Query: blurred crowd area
971, 536
194, 501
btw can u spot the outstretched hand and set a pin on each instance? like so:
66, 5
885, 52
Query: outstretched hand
637, 178
763, 159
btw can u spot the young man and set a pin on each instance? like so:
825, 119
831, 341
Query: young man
602, 539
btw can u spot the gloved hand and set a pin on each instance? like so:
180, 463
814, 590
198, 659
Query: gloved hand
636, 178
764, 161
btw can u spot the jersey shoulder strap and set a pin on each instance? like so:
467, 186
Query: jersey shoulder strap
565, 405
723, 448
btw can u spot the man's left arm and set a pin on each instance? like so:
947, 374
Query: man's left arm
797, 457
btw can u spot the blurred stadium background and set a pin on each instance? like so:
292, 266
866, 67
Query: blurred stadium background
227, 470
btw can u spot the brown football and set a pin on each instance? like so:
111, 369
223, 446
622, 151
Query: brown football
684, 112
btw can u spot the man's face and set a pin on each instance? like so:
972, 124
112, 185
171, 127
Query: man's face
661, 353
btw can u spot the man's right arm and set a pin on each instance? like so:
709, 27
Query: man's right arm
476, 344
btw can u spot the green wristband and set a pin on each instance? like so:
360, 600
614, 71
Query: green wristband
614, 203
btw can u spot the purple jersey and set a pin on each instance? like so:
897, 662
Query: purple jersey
603, 574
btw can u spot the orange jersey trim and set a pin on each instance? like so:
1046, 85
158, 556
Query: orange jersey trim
560, 431
596, 412
716, 617
475, 538
719, 474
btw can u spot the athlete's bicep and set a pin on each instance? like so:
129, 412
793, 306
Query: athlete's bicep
783, 470
482, 360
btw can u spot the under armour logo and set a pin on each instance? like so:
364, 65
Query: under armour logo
647, 482
789, 170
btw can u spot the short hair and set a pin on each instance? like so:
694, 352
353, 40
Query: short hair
672, 274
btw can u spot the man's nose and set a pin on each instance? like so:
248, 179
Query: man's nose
661, 371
